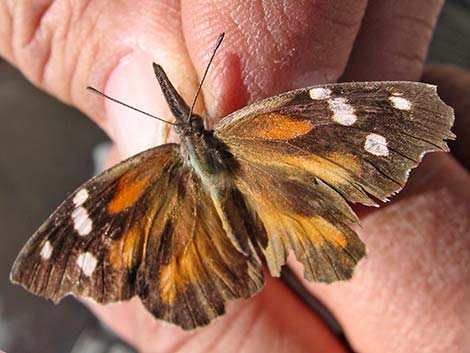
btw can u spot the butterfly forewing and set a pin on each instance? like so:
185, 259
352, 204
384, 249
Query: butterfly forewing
322, 146
363, 137
92, 245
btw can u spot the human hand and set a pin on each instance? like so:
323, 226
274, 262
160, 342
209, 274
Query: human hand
408, 292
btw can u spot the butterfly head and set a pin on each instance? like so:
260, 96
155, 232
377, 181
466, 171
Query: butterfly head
187, 122
193, 126
196, 125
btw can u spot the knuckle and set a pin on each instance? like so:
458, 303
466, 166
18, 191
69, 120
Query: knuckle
40, 37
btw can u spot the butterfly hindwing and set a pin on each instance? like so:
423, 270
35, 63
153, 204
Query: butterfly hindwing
193, 268
314, 149
312, 220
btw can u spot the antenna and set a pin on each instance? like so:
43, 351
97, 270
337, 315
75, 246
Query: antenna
95, 91
217, 45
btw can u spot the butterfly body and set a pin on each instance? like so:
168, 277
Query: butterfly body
208, 158
187, 227
213, 166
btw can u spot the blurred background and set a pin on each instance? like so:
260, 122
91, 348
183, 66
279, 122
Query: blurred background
47, 149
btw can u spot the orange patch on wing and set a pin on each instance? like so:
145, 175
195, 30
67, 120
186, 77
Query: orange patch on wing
315, 230
329, 232
129, 189
279, 127
127, 251
168, 285
284, 225
346, 160
335, 169
175, 276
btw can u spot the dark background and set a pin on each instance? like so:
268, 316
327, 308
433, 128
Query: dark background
46, 151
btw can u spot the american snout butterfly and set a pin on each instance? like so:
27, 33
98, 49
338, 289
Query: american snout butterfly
187, 226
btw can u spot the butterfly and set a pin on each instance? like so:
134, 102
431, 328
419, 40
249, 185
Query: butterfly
188, 227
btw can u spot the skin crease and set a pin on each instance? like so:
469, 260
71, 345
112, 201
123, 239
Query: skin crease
408, 295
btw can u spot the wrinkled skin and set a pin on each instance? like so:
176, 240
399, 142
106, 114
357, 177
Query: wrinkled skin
411, 293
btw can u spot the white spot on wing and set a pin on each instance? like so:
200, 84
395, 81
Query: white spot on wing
46, 250
343, 113
87, 262
376, 145
80, 197
400, 103
320, 93
81, 222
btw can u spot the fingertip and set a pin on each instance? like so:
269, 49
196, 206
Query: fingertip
270, 48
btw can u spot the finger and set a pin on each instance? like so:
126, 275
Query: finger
454, 87
393, 41
258, 325
410, 292
269, 47
64, 46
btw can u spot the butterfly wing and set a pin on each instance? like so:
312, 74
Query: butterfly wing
311, 150
92, 245
194, 267
145, 227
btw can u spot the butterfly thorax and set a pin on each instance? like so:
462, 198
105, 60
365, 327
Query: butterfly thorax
202, 151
